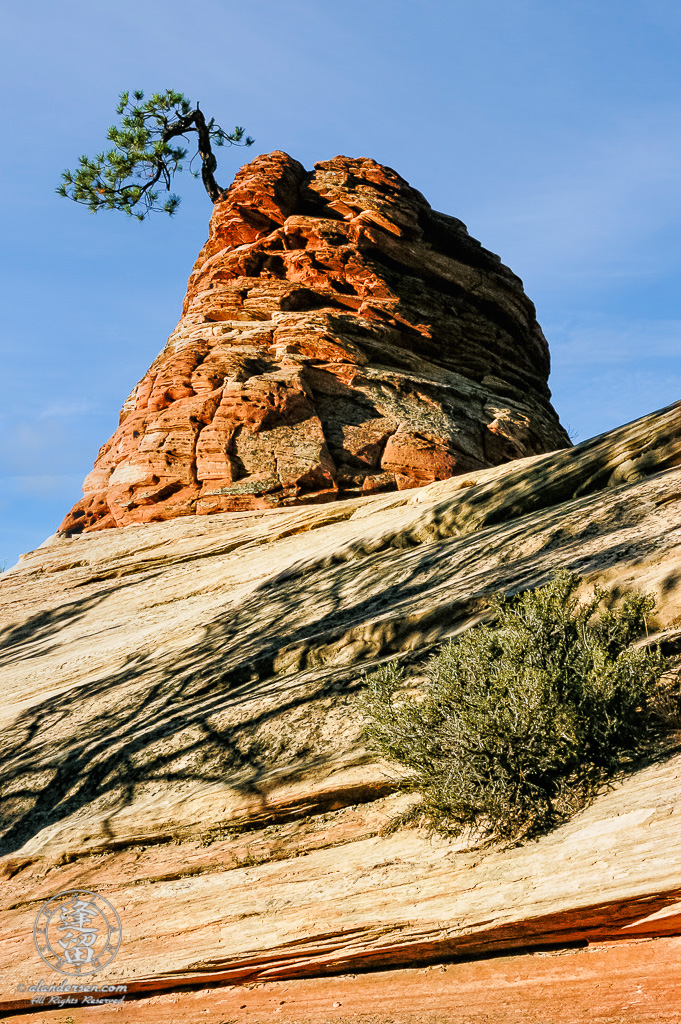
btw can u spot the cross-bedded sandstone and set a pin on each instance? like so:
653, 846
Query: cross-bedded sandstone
339, 337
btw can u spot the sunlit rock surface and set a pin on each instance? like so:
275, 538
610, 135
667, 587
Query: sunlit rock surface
178, 734
339, 338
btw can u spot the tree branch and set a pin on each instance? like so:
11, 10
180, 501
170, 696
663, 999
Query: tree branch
208, 160
142, 150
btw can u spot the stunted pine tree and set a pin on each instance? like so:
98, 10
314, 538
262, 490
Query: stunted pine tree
127, 177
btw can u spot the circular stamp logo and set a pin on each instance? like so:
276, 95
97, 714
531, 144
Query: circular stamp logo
77, 932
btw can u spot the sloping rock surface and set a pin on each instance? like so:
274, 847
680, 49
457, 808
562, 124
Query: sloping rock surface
179, 734
625, 982
339, 337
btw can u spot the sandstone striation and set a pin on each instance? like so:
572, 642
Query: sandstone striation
339, 337
179, 734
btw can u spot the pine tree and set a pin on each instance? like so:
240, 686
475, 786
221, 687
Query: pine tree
125, 177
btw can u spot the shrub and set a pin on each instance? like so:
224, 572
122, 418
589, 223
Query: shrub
522, 721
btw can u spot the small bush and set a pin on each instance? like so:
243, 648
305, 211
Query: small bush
522, 721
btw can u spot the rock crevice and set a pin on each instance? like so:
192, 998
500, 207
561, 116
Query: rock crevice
339, 337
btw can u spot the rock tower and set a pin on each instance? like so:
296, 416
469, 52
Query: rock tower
339, 337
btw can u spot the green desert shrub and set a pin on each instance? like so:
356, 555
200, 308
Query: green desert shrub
522, 721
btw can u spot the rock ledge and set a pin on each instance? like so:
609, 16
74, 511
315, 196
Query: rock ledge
339, 337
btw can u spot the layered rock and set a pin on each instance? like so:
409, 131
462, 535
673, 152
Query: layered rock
191, 749
339, 337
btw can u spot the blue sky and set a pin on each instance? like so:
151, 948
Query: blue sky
551, 127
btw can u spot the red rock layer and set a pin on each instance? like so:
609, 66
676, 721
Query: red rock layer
338, 337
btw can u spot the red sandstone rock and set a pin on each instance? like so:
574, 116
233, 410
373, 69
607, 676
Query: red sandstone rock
339, 337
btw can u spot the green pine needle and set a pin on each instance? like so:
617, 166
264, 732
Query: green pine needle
123, 177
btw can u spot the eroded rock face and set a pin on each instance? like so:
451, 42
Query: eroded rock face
339, 337
193, 750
